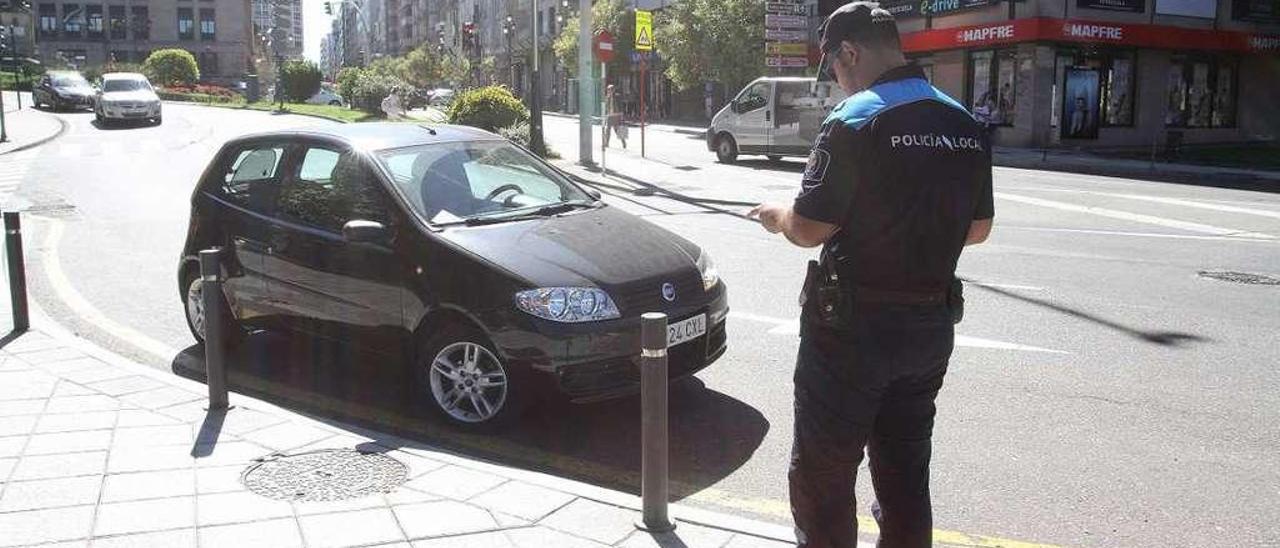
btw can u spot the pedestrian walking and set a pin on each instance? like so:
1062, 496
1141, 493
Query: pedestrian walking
613, 118
898, 182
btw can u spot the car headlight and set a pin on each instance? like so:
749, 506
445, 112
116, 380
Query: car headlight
710, 275
568, 304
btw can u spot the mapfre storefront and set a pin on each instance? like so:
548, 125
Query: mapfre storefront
1102, 73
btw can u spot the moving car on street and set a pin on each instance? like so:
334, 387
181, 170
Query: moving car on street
497, 275
774, 117
63, 90
126, 96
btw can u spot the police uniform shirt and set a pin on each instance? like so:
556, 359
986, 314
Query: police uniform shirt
902, 169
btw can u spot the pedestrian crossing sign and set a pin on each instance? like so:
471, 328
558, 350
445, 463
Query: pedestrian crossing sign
644, 30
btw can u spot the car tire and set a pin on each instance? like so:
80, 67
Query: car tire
157, 121
441, 368
335, 103
726, 149
99, 118
775, 159
231, 327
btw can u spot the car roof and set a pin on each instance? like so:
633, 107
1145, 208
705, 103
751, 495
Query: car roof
385, 135
123, 76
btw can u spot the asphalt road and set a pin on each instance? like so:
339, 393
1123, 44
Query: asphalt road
1103, 392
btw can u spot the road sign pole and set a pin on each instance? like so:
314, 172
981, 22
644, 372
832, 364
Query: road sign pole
604, 112
643, 65
586, 87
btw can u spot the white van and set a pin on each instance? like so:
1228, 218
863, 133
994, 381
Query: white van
773, 117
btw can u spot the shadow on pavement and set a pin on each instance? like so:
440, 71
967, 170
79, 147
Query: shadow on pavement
711, 434
210, 430
1163, 338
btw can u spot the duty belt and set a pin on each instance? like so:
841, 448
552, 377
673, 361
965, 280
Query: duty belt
865, 294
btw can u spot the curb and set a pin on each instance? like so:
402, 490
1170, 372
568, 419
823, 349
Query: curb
62, 128
42, 324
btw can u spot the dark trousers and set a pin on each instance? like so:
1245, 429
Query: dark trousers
872, 385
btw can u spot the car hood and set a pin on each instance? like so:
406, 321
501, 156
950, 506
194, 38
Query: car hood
137, 95
604, 247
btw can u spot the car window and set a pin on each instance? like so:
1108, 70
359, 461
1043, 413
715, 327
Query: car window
448, 182
331, 188
754, 97
124, 85
69, 80
251, 175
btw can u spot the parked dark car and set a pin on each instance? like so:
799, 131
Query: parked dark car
63, 90
497, 275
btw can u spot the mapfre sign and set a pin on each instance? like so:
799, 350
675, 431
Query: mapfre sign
1048, 29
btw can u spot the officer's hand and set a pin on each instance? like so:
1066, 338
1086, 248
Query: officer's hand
770, 216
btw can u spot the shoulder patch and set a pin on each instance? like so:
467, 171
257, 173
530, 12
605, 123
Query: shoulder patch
816, 169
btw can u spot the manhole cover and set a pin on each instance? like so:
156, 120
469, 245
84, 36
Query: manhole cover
325, 475
1239, 277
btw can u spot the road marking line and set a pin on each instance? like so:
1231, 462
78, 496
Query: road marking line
72, 298
1004, 286
1134, 217
1170, 201
792, 327
1140, 234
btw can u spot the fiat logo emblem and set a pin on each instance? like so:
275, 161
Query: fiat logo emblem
669, 292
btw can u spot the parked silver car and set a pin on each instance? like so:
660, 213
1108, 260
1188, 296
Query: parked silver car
126, 96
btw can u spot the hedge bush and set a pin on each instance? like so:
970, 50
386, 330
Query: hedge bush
300, 79
490, 108
168, 95
166, 67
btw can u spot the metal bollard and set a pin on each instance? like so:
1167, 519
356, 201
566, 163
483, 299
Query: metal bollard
653, 424
214, 346
17, 271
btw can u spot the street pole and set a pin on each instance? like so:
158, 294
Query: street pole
4, 134
13, 52
535, 118
586, 87
604, 114
644, 65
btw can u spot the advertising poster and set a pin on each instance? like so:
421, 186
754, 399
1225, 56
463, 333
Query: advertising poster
1080, 103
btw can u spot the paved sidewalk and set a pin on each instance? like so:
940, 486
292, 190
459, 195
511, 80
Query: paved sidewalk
28, 127
98, 450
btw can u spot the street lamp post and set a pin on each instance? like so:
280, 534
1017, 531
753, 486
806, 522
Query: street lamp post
535, 104
508, 30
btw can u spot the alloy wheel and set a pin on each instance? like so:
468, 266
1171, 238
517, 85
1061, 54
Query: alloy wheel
468, 382
195, 307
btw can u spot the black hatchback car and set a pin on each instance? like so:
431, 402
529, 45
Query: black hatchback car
495, 273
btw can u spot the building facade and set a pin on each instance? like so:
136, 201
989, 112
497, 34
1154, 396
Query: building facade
81, 35
19, 34
1105, 73
280, 14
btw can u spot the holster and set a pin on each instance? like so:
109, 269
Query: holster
826, 299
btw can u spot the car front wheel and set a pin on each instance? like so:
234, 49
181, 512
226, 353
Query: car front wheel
467, 381
726, 149
196, 313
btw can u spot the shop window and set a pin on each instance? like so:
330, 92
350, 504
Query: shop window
1117, 91
1201, 93
1117, 87
993, 89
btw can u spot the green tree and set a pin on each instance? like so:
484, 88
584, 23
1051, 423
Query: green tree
455, 69
167, 67
490, 108
300, 79
712, 41
422, 67
612, 15
346, 80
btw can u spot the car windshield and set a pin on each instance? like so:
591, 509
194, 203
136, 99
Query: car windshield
69, 81
459, 181
125, 85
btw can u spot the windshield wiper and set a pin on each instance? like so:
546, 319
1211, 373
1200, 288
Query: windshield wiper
544, 211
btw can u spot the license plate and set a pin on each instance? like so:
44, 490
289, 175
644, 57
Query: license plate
686, 330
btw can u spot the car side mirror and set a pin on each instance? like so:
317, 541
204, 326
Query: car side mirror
735, 106
593, 193
361, 231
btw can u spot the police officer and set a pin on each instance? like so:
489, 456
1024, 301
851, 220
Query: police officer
897, 184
